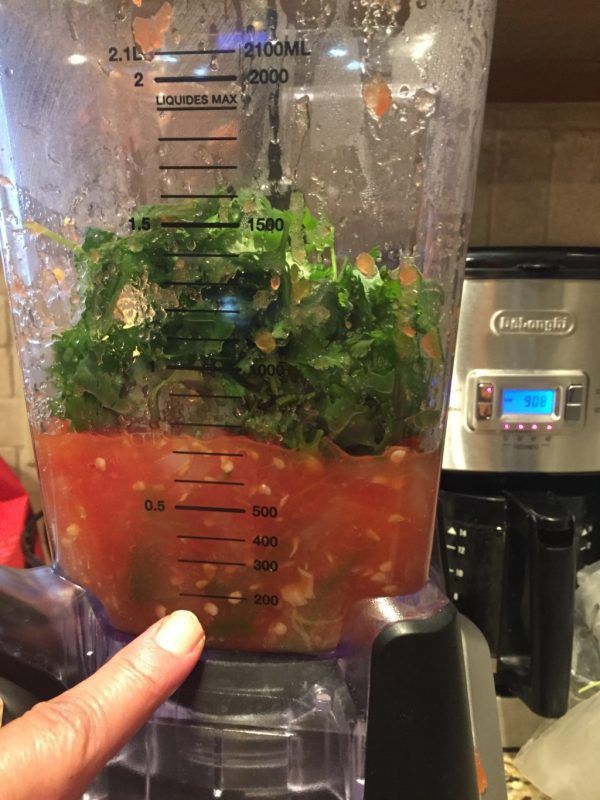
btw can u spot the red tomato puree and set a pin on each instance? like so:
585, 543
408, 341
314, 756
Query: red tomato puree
270, 547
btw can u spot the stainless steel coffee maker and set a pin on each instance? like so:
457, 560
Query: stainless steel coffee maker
520, 501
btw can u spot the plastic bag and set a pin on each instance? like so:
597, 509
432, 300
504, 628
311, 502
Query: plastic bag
563, 761
585, 675
563, 758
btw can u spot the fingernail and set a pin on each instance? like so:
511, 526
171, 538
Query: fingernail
180, 633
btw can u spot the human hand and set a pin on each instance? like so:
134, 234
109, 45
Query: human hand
55, 751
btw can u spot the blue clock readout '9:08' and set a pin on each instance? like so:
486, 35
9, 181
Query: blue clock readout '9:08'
528, 401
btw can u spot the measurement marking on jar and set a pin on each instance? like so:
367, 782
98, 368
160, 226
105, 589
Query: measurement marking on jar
198, 197
194, 368
204, 167
196, 79
198, 139
210, 362
172, 110
297, 47
202, 225
207, 370
201, 311
212, 596
210, 483
216, 509
215, 563
207, 453
201, 255
211, 538
196, 339
160, 53
208, 396
206, 284
211, 425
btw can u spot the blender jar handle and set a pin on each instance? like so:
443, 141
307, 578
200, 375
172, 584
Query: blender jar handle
419, 710
539, 597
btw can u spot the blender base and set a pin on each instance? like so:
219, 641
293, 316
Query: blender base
390, 715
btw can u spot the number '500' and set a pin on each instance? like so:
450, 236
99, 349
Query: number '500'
264, 511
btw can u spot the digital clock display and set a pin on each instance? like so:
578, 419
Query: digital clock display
539, 402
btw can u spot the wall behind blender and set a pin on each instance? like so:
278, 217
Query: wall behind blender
539, 175
538, 183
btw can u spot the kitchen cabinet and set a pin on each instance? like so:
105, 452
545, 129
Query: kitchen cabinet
546, 51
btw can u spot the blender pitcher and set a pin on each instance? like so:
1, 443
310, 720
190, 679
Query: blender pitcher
233, 236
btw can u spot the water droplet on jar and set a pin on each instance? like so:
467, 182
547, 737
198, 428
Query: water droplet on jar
176, 37
302, 112
404, 91
9, 72
214, 63
6, 182
425, 102
421, 3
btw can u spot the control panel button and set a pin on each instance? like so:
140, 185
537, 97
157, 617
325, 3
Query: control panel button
573, 412
484, 411
486, 392
575, 394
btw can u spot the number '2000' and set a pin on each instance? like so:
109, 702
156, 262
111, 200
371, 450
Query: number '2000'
268, 76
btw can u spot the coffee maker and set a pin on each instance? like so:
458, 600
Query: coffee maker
233, 235
520, 500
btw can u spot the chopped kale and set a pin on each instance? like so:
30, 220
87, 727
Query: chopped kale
259, 310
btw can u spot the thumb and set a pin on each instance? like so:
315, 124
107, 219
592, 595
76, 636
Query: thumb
55, 751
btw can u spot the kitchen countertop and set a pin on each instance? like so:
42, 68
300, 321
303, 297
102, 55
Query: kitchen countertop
518, 787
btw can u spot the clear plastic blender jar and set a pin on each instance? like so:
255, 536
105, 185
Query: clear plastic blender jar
233, 238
